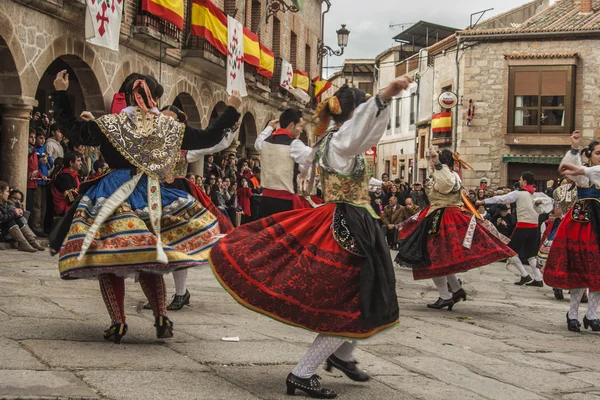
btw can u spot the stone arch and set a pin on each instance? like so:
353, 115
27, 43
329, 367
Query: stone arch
185, 102
247, 135
217, 110
12, 61
84, 89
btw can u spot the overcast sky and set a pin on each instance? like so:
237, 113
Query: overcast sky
369, 21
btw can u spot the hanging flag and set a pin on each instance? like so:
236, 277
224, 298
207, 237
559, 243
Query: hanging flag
267, 62
103, 23
251, 48
235, 57
320, 87
210, 23
287, 75
301, 80
169, 10
441, 123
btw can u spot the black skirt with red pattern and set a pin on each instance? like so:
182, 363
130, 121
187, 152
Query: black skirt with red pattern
302, 268
442, 245
574, 258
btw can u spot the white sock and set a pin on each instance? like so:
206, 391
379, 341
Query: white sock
180, 278
441, 282
537, 275
576, 295
454, 283
516, 261
346, 351
317, 353
593, 301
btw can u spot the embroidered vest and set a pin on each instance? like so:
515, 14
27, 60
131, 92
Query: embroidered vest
585, 193
438, 200
350, 188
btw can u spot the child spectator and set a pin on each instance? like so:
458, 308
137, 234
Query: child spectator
13, 226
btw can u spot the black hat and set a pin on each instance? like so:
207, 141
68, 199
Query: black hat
502, 207
256, 169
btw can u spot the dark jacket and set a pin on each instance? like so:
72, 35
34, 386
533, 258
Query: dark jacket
418, 197
505, 225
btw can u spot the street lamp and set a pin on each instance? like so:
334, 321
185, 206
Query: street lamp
342, 35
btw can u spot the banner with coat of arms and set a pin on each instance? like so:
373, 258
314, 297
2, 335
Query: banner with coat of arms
235, 57
103, 23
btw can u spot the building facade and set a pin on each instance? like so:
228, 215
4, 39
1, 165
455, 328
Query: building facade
38, 38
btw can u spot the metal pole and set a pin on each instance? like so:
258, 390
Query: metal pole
455, 125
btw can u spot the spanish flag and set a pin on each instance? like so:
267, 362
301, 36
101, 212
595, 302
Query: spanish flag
169, 10
267, 62
209, 22
300, 80
320, 87
441, 123
251, 48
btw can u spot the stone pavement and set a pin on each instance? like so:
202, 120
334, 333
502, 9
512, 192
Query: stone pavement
505, 342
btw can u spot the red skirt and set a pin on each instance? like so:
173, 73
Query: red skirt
289, 267
445, 245
574, 258
225, 224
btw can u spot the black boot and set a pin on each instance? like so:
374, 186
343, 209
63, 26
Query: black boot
592, 323
179, 301
573, 325
440, 303
115, 333
347, 367
524, 280
164, 327
459, 295
312, 386
558, 294
535, 284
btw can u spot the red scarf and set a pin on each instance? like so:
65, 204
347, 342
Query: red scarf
61, 205
118, 103
529, 188
282, 131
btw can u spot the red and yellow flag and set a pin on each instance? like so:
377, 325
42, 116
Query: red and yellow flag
267, 62
301, 80
251, 48
441, 123
320, 87
210, 23
169, 10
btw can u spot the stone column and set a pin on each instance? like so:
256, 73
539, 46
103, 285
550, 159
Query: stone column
13, 145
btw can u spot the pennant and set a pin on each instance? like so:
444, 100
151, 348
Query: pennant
170, 10
235, 57
267, 62
287, 75
210, 23
320, 87
251, 48
103, 23
300, 80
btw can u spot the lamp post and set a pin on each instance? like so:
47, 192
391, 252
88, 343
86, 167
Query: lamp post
342, 35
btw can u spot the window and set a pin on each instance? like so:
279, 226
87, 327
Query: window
307, 60
276, 37
413, 99
294, 50
256, 16
422, 146
541, 99
398, 108
230, 7
366, 86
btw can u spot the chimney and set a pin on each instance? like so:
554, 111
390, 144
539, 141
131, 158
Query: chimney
586, 6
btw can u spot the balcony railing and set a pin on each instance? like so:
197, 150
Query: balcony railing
201, 44
166, 31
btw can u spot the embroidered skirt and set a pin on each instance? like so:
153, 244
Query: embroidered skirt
298, 268
125, 243
574, 258
444, 243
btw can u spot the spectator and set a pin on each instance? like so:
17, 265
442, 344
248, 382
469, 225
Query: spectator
232, 205
53, 146
483, 212
100, 168
42, 193
13, 226
472, 197
244, 170
220, 196
200, 182
549, 188
257, 191
65, 189
480, 194
86, 166
394, 192
244, 193
32, 171
210, 167
504, 222
191, 177
390, 218
230, 168
410, 209
208, 186
418, 195
385, 177
377, 195
16, 200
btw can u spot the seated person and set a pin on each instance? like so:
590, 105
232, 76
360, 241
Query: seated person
13, 226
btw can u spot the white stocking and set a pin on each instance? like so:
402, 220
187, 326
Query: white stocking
454, 283
441, 282
593, 301
537, 275
317, 353
576, 295
180, 278
516, 261
346, 351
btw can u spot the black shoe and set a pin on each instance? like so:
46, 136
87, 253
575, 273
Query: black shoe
535, 283
558, 294
312, 386
584, 298
440, 303
115, 333
147, 306
164, 327
348, 368
573, 325
459, 295
592, 323
524, 280
179, 301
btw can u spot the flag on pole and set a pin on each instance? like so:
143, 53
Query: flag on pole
209, 22
235, 57
301, 80
320, 87
251, 48
169, 10
287, 75
103, 23
267, 62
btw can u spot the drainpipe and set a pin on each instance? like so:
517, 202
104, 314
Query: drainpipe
328, 2
455, 126
417, 99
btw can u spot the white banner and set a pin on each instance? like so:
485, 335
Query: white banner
287, 74
235, 57
103, 22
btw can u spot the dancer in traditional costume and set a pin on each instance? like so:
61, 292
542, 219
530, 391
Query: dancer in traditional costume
573, 259
525, 240
325, 269
128, 223
443, 240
